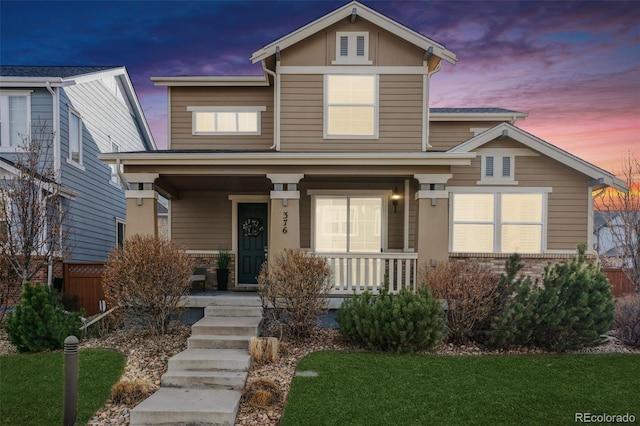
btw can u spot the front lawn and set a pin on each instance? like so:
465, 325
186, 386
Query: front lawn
31, 385
381, 389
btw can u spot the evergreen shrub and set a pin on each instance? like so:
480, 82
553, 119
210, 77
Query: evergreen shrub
402, 322
40, 322
573, 308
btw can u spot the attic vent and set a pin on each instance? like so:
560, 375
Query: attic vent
352, 47
360, 46
489, 166
344, 46
506, 166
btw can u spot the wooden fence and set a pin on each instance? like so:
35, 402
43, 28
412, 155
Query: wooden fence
85, 281
620, 283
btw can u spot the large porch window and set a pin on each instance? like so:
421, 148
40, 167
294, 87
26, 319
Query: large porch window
347, 224
498, 223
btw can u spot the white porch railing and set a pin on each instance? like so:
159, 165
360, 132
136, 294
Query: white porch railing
360, 272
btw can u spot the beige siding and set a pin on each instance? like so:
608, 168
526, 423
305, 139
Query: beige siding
400, 115
201, 220
568, 206
385, 49
444, 135
181, 119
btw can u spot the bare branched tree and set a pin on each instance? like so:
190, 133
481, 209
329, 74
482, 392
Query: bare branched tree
622, 207
31, 207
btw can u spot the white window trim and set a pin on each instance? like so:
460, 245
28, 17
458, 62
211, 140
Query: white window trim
376, 109
114, 179
351, 58
4, 95
230, 109
497, 222
79, 163
497, 167
384, 218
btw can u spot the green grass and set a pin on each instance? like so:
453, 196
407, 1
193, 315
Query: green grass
381, 389
31, 385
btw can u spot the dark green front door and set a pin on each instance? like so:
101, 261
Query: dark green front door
252, 240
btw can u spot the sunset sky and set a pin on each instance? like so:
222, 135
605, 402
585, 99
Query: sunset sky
573, 66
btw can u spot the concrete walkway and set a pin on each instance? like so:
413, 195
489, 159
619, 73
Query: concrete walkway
202, 385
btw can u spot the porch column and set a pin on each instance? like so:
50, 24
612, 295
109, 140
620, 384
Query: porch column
284, 220
142, 204
433, 219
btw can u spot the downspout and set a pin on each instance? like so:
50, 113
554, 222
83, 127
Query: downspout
55, 100
123, 181
276, 102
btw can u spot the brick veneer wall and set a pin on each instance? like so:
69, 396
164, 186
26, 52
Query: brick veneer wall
534, 264
210, 261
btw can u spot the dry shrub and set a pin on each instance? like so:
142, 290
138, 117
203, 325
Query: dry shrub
264, 349
293, 289
131, 393
146, 279
262, 393
10, 286
628, 319
468, 289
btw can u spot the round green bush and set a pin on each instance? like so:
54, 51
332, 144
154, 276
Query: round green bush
40, 323
402, 322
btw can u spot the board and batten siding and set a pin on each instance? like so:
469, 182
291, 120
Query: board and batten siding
105, 118
568, 203
181, 119
302, 115
201, 220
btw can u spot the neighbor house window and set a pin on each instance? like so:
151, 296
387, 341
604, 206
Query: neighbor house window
348, 224
351, 106
352, 48
75, 137
115, 178
120, 231
15, 116
497, 169
238, 120
497, 223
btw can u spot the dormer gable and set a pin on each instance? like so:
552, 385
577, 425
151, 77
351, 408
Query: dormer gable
349, 43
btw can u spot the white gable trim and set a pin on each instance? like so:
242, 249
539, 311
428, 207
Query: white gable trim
367, 14
540, 146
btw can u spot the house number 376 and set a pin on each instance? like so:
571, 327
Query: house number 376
285, 219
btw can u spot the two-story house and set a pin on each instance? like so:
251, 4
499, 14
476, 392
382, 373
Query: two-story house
335, 150
89, 110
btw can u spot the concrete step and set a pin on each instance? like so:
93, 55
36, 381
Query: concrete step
236, 300
218, 341
180, 406
237, 326
233, 311
210, 359
204, 378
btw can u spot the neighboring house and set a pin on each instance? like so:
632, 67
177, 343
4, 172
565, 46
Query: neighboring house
609, 235
335, 150
90, 110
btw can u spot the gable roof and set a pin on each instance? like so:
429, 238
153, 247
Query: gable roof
601, 177
366, 13
65, 76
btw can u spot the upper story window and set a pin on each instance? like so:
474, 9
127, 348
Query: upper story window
231, 120
497, 169
15, 116
498, 223
352, 48
351, 106
75, 137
